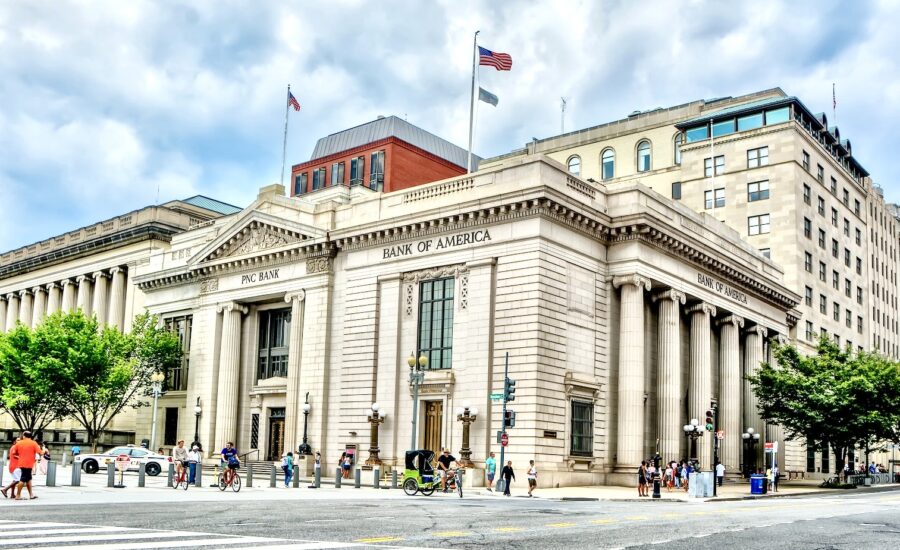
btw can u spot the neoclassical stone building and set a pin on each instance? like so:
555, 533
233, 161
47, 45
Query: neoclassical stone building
624, 314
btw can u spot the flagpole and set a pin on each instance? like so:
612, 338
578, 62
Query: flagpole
833, 105
472, 92
287, 105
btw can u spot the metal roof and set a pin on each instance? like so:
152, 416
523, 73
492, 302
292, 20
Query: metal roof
212, 204
738, 109
391, 126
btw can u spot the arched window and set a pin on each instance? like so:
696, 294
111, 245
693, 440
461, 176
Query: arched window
575, 165
679, 139
608, 164
643, 156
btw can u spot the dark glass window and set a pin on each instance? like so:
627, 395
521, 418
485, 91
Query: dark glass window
357, 173
826, 459
676, 191
643, 156
300, 183
436, 322
608, 162
170, 432
376, 170
806, 161
582, 428
697, 134
808, 296
807, 228
274, 334
776, 116
820, 173
750, 122
337, 173
810, 458
757, 191
806, 193
318, 179
177, 377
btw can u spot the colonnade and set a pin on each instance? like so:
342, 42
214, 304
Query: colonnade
102, 293
676, 405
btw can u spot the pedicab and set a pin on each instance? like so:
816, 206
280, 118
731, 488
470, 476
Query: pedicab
419, 473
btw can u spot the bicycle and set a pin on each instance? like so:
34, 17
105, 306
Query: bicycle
229, 478
180, 480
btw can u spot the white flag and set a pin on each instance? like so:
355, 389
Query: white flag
487, 97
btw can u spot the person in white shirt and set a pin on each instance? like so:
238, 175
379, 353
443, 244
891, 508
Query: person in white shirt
720, 473
194, 459
532, 477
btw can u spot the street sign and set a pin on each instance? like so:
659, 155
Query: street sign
122, 462
504, 440
720, 434
771, 446
497, 396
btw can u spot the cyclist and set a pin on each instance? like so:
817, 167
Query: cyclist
229, 458
180, 457
444, 463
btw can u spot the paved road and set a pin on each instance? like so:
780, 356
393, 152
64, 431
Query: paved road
858, 521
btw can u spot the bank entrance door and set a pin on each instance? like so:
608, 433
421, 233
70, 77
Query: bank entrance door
434, 424
276, 434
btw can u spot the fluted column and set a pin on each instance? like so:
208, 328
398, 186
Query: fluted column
776, 431
2, 313
754, 350
116, 316
83, 302
295, 348
40, 305
730, 391
100, 304
668, 380
68, 295
54, 298
700, 390
26, 307
229, 372
12, 310
630, 417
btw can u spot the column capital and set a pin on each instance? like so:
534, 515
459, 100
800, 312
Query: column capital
82, 278
758, 330
670, 294
51, 286
66, 282
23, 293
779, 339
99, 274
732, 319
632, 279
228, 307
298, 295
37, 289
115, 270
701, 307
12, 295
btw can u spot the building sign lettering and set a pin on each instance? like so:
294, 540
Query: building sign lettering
260, 277
439, 243
721, 288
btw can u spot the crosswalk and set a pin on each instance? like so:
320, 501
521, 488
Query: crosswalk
15, 535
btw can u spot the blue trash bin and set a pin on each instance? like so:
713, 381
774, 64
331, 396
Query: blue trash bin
758, 484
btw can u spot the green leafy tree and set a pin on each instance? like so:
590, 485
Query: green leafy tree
29, 402
835, 398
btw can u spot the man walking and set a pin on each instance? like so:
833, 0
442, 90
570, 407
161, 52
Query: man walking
532, 477
490, 467
508, 475
25, 452
720, 473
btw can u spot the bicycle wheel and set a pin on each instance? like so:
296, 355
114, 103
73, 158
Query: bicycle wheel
236, 483
459, 486
184, 483
427, 490
410, 487
222, 484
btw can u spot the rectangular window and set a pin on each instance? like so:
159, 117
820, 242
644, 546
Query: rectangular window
676, 191
376, 170
833, 185
300, 183
767, 252
823, 272
835, 247
750, 122
723, 128
834, 217
846, 198
170, 433
757, 191
807, 262
806, 161
808, 294
806, 193
758, 225
820, 173
177, 377
318, 179
776, 116
835, 280
757, 157
826, 463
697, 134
810, 335
582, 428
859, 324
858, 266
821, 206
848, 288
254, 431
807, 228
821, 238
859, 295
823, 304
848, 319
274, 336
856, 206
846, 227
810, 458
847, 257
337, 173
836, 313
708, 163
436, 322
714, 199
357, 170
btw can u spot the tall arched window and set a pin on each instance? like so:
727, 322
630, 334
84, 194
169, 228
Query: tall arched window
608, 164
575, 165
643, 156
679, 139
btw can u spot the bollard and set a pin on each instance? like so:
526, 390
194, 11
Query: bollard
171, 476
51, 474
337, 479
272, 476
111, 475
2, 469
357, 474
142, 475
393, 479
76, 475
295, 481
249, 477
62, 462
318, 480
198, 477
377, 481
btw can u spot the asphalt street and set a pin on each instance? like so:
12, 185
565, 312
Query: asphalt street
869, 520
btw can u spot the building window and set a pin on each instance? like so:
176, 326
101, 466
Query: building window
810, 334
823, 304
823, 272
856, 206
714, 199
859, 295
676, 190
835, 280
708, 164
757, 157
679, 140
318, 179
859, 324
698, 133
810, 458
436, 322
848, 320
274, 331
177, 377
582, 428
757, 225
826, 462
848, 288
821, 206
806, 193
643, 156
750, 122
574, 165
834, 217
357, 173
834, 186
608, 164
836, 314
808, 294
767, 252
723, 128
835, 247
820, 174
337, 173
807, 262
846, 227
821, 238
846, 198
757, 191
376, 171
807, 228
806, 161
858, 237
300, 183
847, 257
859, 266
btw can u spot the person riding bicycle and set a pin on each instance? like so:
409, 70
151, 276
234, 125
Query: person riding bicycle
444, 462
230, 457
180, 457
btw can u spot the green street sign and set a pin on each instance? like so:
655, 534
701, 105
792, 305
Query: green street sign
497, 396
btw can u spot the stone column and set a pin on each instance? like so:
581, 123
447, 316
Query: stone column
2, 313
669, 411
776, 431
12, 310
630, 414
116, 317
68, 295
730, 392
700, 390
100, 305
83, 302
40, 305
229, 372
54, 298
754, 350
294, 400
26, 307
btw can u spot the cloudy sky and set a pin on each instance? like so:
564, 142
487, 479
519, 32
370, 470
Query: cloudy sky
106, 104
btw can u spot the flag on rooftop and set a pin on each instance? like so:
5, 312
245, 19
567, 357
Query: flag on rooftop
292, 101
497, 60
487, 97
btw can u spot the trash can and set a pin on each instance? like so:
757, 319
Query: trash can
758, 484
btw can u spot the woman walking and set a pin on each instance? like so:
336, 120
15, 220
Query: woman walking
508, 476
532, 477
642, 479
45, 458
287, 464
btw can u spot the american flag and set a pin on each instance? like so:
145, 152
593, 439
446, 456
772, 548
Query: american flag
292, 101
497, 60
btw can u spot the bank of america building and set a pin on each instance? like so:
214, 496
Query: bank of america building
626, 306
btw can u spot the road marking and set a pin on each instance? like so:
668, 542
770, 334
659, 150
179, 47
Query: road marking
378, 539
104, 537
636, 518
661, 541
223, 541
604, 521
702, 536
507, 529
451, 534
671, 515
561, 525
700, 513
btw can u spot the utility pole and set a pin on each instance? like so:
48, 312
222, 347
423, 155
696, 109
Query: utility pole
562, 115
509, 394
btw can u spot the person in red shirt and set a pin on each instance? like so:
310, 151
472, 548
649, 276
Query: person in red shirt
16, 475
25, 452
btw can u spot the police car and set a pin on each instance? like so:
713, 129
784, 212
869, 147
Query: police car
154, 462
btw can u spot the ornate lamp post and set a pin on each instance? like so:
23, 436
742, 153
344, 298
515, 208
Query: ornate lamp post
416, 377
467, 416
693, 431
156, 379
197, 412
305, 448
375, 419
751, 438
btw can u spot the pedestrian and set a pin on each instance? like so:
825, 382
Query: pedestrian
490, 468
769, 479
720, 473
14, 471
668, 477
346, 464
508, 476
846, 473
76, 450
686, 475
642, 478
161, 451
317, 469
532, 477
677, 468
287, 464
25, 451
194, 459
775, 477
872, 469
180, 458
45, 458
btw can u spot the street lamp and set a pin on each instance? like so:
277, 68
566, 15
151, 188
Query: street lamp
693, 431
467, 416
305, 448
156, 379
197, 411
751, 438
416, 377
375, 419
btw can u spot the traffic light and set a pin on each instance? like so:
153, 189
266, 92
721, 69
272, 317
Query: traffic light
710, 422
509, 419
509, 390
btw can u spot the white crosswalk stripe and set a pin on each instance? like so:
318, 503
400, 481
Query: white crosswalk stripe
67, 536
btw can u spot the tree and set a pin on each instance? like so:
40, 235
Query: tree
29, 402
835, 398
